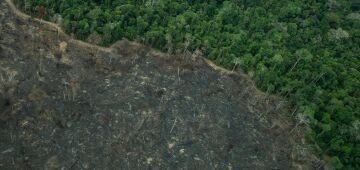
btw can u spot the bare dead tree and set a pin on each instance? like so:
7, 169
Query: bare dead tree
297, 61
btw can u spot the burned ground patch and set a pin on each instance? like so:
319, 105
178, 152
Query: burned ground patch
130, 107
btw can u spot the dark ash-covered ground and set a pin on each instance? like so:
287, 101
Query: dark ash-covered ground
70, 105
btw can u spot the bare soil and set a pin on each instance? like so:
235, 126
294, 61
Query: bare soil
66, 104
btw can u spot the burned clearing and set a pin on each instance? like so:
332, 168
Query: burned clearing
68, 104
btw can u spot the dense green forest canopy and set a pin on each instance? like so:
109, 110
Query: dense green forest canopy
305, 50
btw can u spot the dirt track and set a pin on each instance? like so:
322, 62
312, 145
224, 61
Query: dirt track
67, 104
